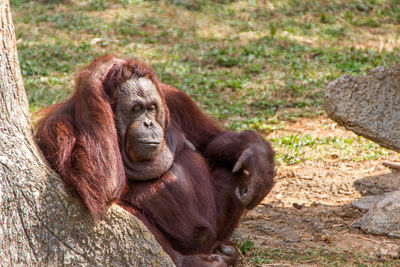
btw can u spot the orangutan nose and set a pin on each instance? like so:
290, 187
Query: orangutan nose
148, 123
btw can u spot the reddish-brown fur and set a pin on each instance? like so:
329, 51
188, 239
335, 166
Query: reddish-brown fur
192, 208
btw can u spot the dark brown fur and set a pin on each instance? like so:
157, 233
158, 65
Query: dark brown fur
191, 209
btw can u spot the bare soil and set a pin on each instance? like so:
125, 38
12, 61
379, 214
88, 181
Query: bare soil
309, 205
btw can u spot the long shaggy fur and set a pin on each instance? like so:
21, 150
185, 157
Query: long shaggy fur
192, 208
79, 137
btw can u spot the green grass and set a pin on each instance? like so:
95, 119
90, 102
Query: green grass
245, 246
249, 64
294, 149
237, 59
313, 257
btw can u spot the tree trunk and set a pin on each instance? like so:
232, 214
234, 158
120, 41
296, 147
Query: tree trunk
40, 223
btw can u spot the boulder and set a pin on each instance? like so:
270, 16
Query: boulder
368, 202
378, 184
383, 218
368, 105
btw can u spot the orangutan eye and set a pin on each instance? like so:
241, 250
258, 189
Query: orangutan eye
151, 108
136, 109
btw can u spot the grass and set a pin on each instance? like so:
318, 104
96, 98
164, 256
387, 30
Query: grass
307, 257
294, 149
240, 60
250, 64
313, 257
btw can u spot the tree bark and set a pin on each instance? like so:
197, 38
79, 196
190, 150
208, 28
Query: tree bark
40, 222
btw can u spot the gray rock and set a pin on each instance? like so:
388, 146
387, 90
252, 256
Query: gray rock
367, 203
378, 184
383, 218
368, 105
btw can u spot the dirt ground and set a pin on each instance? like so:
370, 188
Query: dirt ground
309, 205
